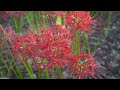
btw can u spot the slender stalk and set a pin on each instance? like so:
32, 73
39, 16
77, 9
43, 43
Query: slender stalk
10, 65
45, 21
76, 43
86, 43
58, 20
17, 67
47, 75
39, 72
16, 25
37, 16
12, 60
31, 20
19, 71
60, 73
29, 69
53, 72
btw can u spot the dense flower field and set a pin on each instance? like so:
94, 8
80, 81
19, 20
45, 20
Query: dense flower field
42, 44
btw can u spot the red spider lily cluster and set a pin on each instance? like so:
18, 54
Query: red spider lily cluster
79, 20
54, 45
82, 64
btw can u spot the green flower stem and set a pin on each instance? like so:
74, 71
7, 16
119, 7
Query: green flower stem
37, 16
44, 22
16, 25
86, 43
17, 67
11, 65
39, 72
29, 69
31, 20
17, 72
60, 73
47, 75
58, 20
76, 43
53, 72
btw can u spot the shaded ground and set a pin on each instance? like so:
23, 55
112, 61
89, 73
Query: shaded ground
108, 52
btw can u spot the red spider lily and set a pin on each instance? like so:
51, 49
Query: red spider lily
79, 20
30, 38
82, 65
17, 44
55, 45
25, 44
